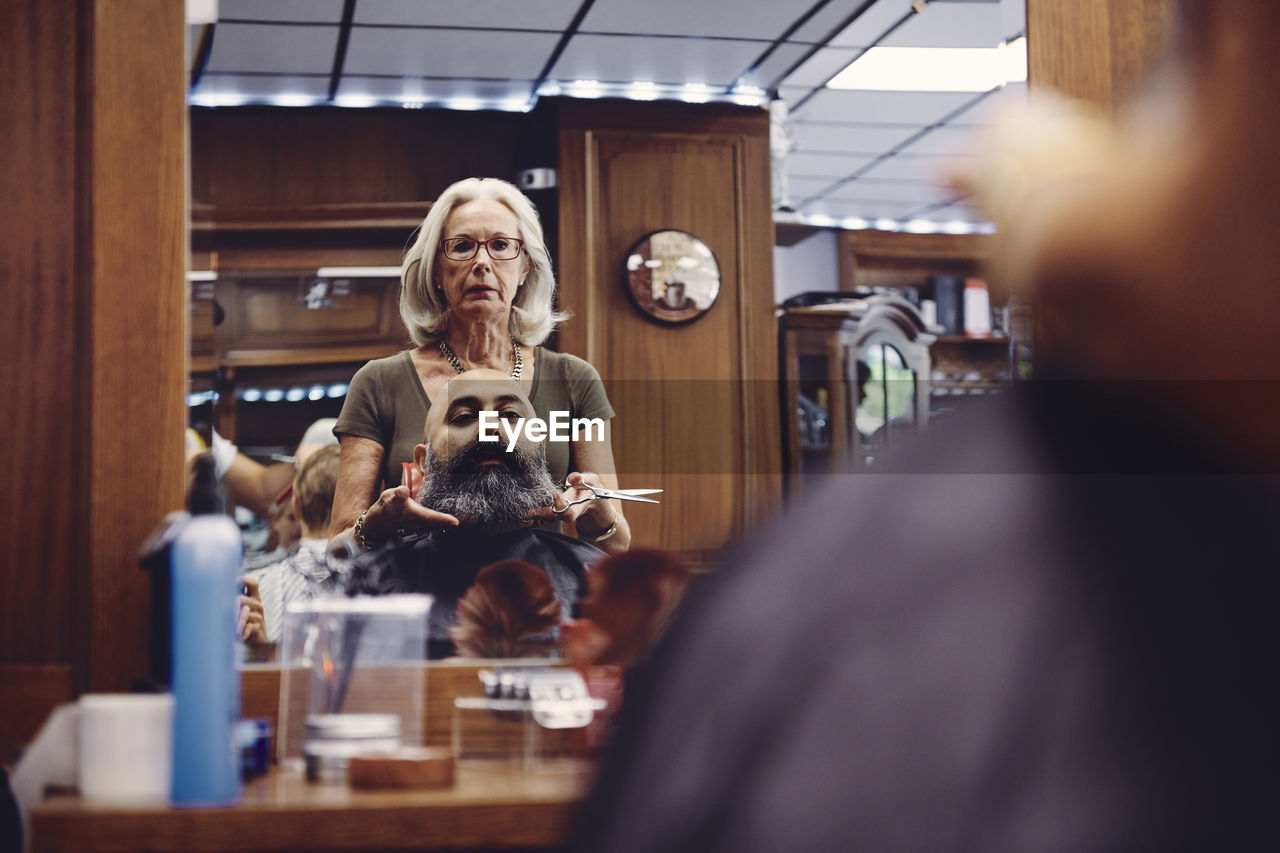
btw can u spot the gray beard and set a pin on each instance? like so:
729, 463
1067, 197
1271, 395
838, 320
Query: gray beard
491, 498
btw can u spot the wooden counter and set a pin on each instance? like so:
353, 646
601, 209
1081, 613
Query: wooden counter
488, 806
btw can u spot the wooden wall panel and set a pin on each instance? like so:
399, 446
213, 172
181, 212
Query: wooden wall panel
38, 329
697, 405
92, 127
1095, 50
279, 157
134, 367
27, 693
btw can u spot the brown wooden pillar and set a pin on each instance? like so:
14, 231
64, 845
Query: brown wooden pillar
92, 125
1097, 51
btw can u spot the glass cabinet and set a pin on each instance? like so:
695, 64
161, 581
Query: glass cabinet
856, 380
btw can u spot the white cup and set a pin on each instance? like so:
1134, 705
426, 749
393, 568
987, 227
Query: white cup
125, 746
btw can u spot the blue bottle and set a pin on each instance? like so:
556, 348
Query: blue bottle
204, 570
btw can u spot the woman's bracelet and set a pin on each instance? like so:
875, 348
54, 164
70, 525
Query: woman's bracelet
608, 531
365, 543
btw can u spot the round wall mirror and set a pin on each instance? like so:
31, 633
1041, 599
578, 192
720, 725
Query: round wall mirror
671, 276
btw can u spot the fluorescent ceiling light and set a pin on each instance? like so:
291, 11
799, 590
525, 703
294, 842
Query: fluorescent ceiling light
293, 99
920, 226
935, 69
202, 11
585, 89
695, 93
202, 275
357, 101
643, 90
219, 99
464, 104
358, 272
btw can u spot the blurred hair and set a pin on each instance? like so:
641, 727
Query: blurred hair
508, 612
314, 485
423, 310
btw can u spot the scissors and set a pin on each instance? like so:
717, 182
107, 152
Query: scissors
601, 493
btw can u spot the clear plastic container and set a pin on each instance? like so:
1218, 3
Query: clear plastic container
346, 658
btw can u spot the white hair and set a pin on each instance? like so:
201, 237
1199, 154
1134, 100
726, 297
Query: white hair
424, 311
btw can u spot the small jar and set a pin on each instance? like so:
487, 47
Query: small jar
332, 739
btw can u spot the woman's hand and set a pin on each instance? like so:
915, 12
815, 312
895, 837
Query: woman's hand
590, 518
252, 622
397, 512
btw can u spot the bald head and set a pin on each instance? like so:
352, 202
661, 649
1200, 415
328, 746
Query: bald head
453, 421
483, 388
492, 484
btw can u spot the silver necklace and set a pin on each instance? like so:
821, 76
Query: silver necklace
517, 358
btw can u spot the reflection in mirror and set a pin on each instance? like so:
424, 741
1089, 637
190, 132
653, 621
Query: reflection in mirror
887, 398
672, 276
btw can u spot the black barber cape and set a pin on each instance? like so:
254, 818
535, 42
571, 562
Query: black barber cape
444, 564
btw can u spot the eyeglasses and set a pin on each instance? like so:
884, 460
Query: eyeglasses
465, 248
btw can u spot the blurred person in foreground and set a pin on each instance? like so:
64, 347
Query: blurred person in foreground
490, 499
1051, 626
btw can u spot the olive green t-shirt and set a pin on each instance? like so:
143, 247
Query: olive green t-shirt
386, 403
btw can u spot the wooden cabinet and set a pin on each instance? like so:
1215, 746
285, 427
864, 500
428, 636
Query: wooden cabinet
305, 318
277, 340
856, 380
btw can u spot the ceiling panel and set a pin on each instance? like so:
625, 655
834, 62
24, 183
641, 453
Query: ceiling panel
726, 18
951, 25
1011, 97
487, 53
322, 11
825, 21
499, 14
920, 108
872, 23
776, 64
906, 191
656, 59
959, 212
1013, 15
194, 32
822, 66
944, 140
432, 91
870, 210
263, 47
849, 138
899, 168
286, 88
825, 165
443, 53
802, 188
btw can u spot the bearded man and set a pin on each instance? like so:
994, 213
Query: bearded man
485, 501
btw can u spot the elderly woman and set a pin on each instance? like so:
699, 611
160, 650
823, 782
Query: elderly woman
476, 290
